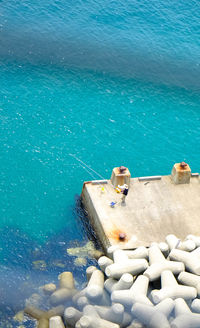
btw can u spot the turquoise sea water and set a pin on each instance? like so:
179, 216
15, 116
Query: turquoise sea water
111, 83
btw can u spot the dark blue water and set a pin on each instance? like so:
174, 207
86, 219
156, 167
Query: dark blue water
111, 83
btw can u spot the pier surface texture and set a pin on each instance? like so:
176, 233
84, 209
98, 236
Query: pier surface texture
154, 208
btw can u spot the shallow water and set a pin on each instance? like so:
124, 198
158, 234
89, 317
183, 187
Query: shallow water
108, 83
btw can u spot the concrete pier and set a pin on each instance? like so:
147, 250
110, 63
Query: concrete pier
154, 207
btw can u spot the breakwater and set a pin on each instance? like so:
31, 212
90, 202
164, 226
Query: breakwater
152, 287
155, 206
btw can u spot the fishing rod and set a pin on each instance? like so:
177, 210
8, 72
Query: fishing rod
83, 164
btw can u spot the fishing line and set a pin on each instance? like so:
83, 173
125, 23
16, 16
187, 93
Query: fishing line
83, 164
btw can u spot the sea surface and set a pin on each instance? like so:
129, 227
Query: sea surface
85, 84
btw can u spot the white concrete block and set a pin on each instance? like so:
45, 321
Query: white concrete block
56, 322
191, 260
170, 288
71, 316
133, 267
104, 261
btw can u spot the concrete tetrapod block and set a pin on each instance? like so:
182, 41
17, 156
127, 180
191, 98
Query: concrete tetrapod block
91, 311
163, 247
174, 242
195, 306
81, 302
57, 310
196, 239
56, 322
34, 312
137, 293
103, 262
139, 253
66, 280
110, 250
71, 316
115, 313
154, 316
62, 295
125, 282
89, 271
134, 267
92, 322
190, 279
158, 264
48, 289
135, 324
43, 323
80, 293
119, 256
170, 288
184, 318
191, 260
78, 325
94, 289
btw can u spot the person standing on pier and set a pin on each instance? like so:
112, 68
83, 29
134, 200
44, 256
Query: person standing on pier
124, 190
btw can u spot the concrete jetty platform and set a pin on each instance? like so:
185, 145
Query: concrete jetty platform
154, 207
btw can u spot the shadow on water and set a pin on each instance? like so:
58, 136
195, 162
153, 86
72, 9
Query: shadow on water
124, 61
26, 265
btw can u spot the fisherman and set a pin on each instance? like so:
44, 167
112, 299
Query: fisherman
124, 191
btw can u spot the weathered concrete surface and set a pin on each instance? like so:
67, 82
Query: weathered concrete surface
153, 210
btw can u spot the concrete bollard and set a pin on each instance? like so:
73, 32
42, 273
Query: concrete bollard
89, 271
66, 280
114, 313
56, 322
71, 316
191, 260
43, 323
170, 288
190, 279
139, 253
62, 295
158, 264
133, 267
103, 262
